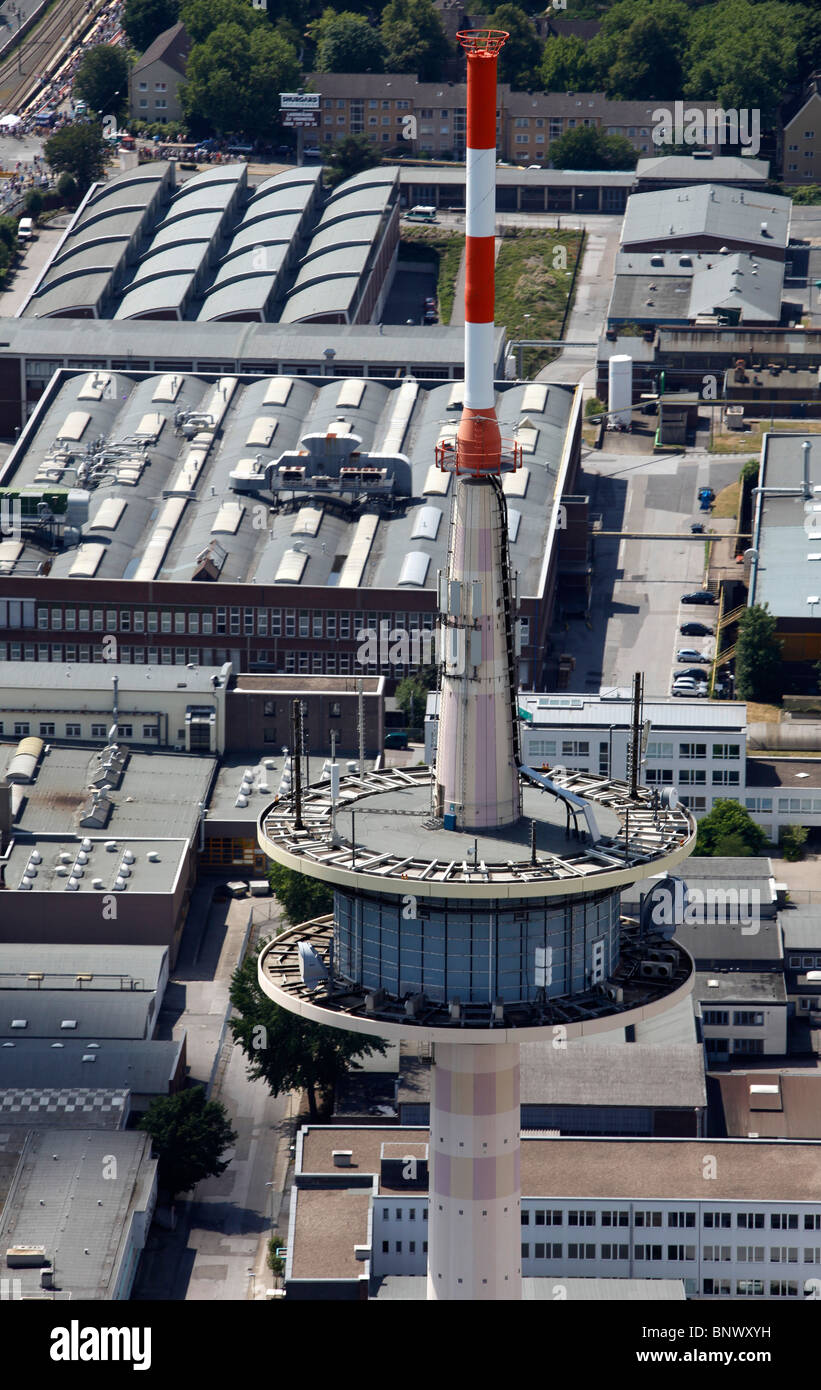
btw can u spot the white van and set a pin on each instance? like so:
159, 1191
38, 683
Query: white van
421, 214
25, 229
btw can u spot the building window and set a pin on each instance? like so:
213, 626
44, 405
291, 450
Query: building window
73, 731
47, 731
692, 750
21, 730
718, 1218
716, 1018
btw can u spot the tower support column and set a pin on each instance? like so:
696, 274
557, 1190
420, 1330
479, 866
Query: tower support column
474, 1220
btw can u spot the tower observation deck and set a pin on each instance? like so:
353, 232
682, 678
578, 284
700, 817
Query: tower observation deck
476, 904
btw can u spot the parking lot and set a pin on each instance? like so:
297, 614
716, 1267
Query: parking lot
636, 608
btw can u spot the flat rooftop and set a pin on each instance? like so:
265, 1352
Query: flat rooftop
69, 1107
288, 485
156, 799
81, 1233
742, 986
145, 1067
787, 534
329, 1223
786, 774
626, 1169
583, 1074
615, 708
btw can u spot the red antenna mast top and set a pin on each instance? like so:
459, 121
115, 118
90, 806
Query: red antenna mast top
482, 40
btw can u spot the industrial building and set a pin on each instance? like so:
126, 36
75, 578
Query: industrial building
294, 515
786, 536
82, 1240
113, 832
691, 287
147, 246
682, 171
708, 218
194, 709
33, 349
643, 1204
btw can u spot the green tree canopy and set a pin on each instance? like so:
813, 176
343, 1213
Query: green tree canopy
233, 79
79, 150
286, 1051
412, 698
589, 148
568, 66
744, 55
346, 42
758, 669
520, 58
414, 38
639, 51
349, 156
729, 829
189, 1134
143, 20
202, 17
302, 897
101, 80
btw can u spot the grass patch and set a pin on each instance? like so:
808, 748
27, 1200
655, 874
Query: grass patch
749, 441
445, 248
762, 714
528, 281
727, 501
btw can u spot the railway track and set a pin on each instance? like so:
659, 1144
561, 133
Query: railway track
44, 53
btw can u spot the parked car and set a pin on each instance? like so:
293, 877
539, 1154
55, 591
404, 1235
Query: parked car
700, 596
396, 739
685, 685
700, 677
689, 654
696, 630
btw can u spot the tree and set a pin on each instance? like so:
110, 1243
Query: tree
744, 55
202, 17
520, 58
758, 669
588, 148
412, 698
143, 20
640, 49
349, 156
78, 150
729, 829
793, 840
286, 1051
567, 66
33, 203
189, 1134
346, 42
67, 188
233, 79
302, 897
414, 38
101, 80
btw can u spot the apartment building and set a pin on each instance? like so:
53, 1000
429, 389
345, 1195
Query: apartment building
403, 116
800, 146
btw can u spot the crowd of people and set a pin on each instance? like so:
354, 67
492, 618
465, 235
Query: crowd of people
56, 91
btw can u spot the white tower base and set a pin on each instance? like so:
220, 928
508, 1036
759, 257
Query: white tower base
474, 1235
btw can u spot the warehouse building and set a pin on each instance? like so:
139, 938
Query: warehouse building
294, 517
76, 1213
708, 218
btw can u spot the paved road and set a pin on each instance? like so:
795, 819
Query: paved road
637, 584
223, 1228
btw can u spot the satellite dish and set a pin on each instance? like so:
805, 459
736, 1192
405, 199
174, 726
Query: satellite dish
312, 968
669, 798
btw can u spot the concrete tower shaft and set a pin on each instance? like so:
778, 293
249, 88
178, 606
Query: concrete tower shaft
477, 779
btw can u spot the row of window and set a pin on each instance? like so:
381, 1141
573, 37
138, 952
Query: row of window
742, 1018
779, 1288
693, 750
725, 1045
779, 1221
48, 729
321, 623
316, 663
692, 777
